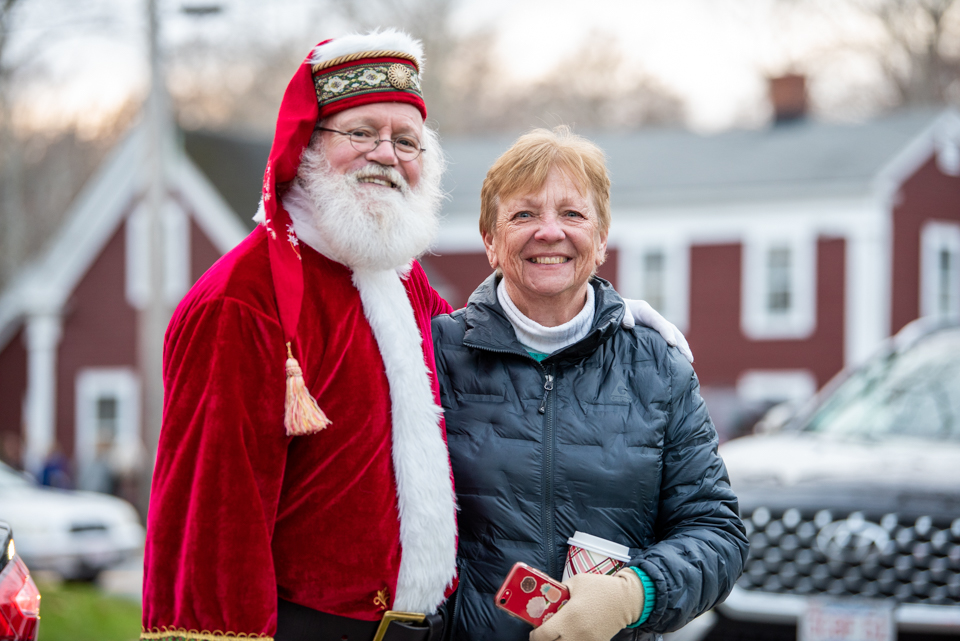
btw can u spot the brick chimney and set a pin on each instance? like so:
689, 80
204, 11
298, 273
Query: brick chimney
788, 97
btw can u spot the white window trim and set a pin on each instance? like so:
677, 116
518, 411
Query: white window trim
935, 236
676, 267
175, 224
176, 247
91, 384
137, 280
756, 321
776, 386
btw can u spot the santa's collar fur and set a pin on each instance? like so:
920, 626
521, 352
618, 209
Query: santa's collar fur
425, 499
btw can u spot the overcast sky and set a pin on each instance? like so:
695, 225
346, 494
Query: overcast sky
712, 53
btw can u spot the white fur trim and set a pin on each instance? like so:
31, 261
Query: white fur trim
425, 498
386, 40
261, 216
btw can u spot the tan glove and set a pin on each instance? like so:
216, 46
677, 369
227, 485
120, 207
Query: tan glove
599, 607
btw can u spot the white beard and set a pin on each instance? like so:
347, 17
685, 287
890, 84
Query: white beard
365, 227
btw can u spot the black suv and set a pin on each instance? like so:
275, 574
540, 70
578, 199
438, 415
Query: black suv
857, 499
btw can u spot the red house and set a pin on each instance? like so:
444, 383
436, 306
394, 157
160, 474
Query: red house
784, 254
69, 377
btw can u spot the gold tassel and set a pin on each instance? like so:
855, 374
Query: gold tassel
301, 414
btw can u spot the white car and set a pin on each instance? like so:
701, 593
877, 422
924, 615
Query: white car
76, 534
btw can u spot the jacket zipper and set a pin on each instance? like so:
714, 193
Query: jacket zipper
547, 386
548, 409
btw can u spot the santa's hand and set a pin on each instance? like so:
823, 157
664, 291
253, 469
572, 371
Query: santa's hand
599, 607
641, 311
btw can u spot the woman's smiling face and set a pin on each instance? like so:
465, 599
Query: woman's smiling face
547, 244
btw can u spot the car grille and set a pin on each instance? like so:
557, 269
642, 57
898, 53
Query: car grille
853, 555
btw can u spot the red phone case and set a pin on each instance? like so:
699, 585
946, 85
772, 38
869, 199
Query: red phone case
531, 595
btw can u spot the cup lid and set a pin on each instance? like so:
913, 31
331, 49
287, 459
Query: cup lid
602, 546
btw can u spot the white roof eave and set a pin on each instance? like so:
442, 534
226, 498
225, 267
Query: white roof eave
43, 286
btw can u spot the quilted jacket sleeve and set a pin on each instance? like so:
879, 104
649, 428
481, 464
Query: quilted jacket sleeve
701, 546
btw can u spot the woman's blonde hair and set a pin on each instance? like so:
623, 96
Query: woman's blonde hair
524, 168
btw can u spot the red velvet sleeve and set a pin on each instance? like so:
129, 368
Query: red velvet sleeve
208, 565
440, 306
433, 301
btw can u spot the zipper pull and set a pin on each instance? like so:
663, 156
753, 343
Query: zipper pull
547, 386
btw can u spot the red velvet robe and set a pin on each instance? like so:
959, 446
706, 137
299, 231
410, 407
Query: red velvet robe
240, 513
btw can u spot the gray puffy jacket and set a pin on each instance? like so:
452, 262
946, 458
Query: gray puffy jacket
608, 436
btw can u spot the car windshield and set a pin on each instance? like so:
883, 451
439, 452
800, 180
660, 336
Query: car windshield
914, 393
10, 478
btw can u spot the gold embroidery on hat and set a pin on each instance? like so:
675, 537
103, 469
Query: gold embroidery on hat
399, 75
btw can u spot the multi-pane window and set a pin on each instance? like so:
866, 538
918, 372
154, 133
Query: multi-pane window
106, 420
940, 270
108, 426
654, 279
779, 285
779, 281
657, 270
945, 293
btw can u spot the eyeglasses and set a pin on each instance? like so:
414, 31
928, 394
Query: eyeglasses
364, 140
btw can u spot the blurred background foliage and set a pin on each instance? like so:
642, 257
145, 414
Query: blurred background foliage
228, 62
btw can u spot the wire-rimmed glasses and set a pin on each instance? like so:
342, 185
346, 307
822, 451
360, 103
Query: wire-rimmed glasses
365, 140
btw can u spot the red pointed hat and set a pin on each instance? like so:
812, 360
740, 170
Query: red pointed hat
359, 69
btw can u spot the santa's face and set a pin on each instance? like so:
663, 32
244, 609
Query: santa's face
389, 120
366, 210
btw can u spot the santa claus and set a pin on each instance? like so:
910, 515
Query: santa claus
302, 487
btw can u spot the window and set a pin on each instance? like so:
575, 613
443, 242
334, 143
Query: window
108, 426
778, 286
940, 270
944, 291
654, 275
107, 419
913, 392
779, 281
657, 272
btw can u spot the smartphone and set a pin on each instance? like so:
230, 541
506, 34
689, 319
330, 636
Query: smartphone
531, 595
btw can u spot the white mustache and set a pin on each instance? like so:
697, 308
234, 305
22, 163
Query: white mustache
382, 171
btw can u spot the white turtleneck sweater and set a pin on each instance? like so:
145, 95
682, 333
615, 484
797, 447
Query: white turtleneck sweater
543, 341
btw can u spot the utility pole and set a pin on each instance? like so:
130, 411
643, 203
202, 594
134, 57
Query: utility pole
156, 314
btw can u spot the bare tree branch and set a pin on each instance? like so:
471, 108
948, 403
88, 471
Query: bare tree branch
917, 53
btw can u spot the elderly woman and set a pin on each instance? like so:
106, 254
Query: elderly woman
559, 419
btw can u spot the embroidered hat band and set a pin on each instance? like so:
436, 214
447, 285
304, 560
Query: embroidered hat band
376, 76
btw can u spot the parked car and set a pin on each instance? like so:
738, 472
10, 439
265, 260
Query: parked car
19, 597
853, 506
76, 534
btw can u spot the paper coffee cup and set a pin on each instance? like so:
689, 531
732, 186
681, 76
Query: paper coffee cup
588, 553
